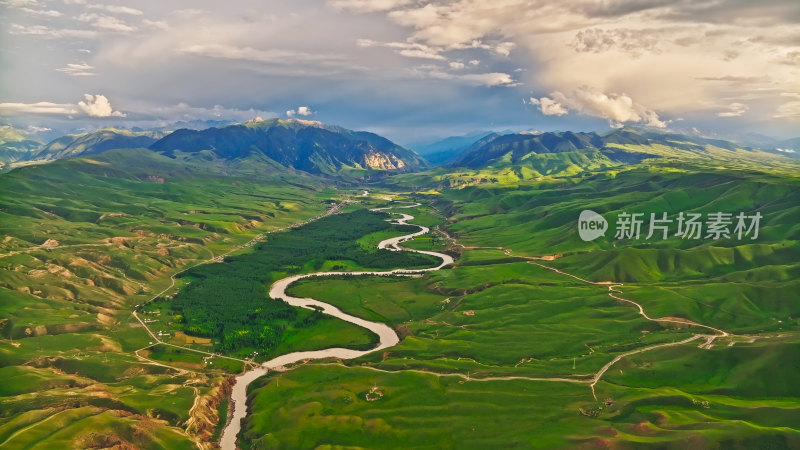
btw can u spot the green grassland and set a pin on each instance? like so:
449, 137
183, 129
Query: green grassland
86, 239
494, 314
251, 324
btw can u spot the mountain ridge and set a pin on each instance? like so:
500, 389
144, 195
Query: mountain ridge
309, 146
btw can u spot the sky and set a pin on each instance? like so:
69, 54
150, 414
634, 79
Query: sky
412, 70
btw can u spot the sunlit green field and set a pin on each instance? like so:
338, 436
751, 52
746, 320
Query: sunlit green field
85, 240
495, 314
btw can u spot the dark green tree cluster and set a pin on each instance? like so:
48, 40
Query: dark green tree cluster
228, 301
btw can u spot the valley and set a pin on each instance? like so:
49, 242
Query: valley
138, 287
397, 224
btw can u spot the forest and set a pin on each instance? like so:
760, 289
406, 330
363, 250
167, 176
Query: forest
228, 301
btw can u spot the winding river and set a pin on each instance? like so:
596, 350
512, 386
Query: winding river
387, 335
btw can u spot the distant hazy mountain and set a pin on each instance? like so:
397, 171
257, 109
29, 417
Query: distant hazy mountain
514, 148
789, 146
304, 145
16, 145
593, 149
448, 149
96, 142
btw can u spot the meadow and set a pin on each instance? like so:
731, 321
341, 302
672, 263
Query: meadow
87, 239
251, 325
481, 336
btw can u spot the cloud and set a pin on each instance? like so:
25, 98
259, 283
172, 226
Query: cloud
42, 12
407, 49
734, 110
489, 79
368, 6
20, 3
630, 41
38, 108
77, 70
98, 106
790, 109
300, 111
272, 55
549, 107
116, 9
106, 22
51, 33
656, 51
618, 109
456, 65
160, 24
165, 115
35, 129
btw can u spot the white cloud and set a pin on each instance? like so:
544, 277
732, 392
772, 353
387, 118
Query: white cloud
272, 55
77, 70
300, 111
788, 110
38, 108
474, 62
407, 49
548, 106
98, 106
19, 3
51, 33
185, 112
35, 129
367, 6
618, 109
160, 24
456, 65
504, 48
116, 9
660, 52
489, 79
42, 12
734, 110
105, 22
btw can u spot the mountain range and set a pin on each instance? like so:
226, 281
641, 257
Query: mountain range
16, 145
275, 145
312, 147
299, 145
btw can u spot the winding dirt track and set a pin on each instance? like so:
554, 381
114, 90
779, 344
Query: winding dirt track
388, 337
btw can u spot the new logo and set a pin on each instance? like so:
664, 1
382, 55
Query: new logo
591, 225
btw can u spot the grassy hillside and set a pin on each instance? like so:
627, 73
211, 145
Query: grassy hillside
203, 307
83, 241
503, 349
16, 145
96, 142
302, 145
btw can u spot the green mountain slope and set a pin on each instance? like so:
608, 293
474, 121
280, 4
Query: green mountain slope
308, 146
16, 145
447, 150
515, 148
83, 241
95, 142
